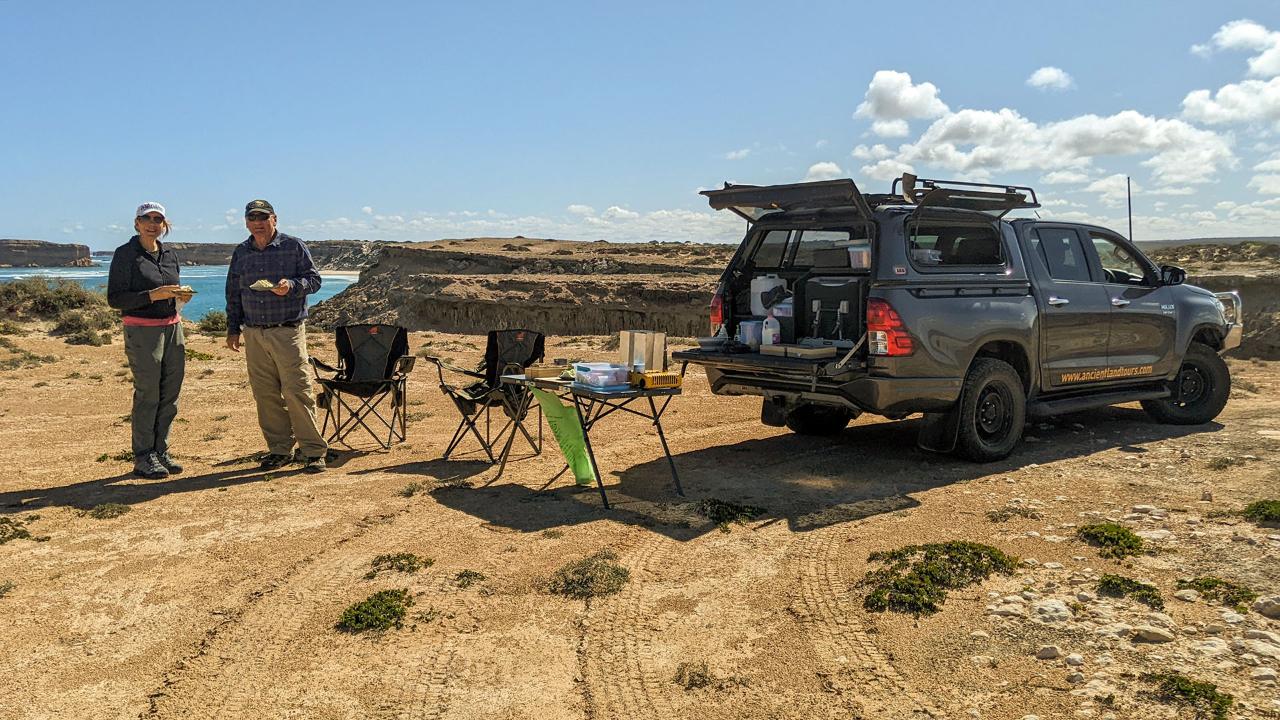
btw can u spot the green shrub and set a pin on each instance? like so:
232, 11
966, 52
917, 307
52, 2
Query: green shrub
399, 562
1119, 586
412, 489
1263, 512
9, 327
1008, 512
1203, 697
382, 610
22, 358
213, 322
193, 354
46, 298
595, 575
71, 322
467, 578
1223, 591
1113, 541
6, 587
107, 511
917, 577
692, 675
723, 513
11, 529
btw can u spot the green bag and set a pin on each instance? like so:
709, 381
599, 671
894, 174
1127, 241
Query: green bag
563, 420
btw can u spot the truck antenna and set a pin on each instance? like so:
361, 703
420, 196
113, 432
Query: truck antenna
1128, 192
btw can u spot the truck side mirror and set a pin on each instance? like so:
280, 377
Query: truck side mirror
1172, 275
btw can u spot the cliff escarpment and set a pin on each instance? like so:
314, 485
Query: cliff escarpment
327, 254
40, 253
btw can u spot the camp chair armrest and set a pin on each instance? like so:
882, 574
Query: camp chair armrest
404, 365
441, 366
318, 365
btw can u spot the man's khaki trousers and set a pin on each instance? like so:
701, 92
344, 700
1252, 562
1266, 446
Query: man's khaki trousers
279, 376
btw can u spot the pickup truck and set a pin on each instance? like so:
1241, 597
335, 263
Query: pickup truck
928, 300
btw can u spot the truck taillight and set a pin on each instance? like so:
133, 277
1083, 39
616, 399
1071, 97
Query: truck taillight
717, 312
886, 334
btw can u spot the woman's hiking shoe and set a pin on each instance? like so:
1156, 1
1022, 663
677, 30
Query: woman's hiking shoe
314, 465
169, 463
273, 461
147, 466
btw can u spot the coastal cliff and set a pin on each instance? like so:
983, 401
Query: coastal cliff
327, 254
39, 253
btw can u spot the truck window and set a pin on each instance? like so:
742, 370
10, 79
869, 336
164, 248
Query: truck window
1119, 264
811, 241
1062, 252
943, 245
771, 249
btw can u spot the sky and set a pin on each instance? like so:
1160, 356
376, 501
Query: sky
424, 120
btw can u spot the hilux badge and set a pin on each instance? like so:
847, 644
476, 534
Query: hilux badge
899, 270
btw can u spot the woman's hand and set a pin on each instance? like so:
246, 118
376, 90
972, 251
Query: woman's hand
165, 292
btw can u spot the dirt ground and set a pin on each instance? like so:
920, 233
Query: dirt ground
217, 594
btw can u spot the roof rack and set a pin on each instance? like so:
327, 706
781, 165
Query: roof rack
986, 197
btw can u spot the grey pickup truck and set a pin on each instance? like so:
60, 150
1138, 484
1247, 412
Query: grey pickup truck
928, 300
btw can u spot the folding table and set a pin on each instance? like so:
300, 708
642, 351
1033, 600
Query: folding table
592, 405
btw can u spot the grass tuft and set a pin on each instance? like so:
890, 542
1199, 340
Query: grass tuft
412, 489
193, 354
593, 576
107, 511
916, 578
692, 675
1263, 512
398, 562
1203, 697
1119, 586
1009, 512
382, 610
723, 513
12, 529
6, 587
467, 578
1224, 591
1113, 541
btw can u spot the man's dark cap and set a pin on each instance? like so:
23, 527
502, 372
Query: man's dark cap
261, 206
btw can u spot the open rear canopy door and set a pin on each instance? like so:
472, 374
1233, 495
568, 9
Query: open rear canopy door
752, 201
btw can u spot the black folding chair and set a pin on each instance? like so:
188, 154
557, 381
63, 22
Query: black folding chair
373, 366
508, 352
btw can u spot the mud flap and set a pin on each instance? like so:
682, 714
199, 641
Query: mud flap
773, 413
940, 431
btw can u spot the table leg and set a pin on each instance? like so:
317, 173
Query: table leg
506, 449
586, 439
657, 424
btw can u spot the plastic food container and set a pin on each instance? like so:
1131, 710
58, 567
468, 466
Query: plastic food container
860, 257
601, 375
749, 332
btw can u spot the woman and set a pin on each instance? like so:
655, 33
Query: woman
143, 285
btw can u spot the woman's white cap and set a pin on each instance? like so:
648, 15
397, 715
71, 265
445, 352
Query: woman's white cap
151, 207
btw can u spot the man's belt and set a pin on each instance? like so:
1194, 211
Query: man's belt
290, 324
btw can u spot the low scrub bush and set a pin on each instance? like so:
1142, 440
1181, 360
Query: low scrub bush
1112, 540
467, 578
213, 322
21, 357
46, 298
382, 610
107, 511
1263, 512
916, 578
9, 327
1009, 512
692, 675
398, 562
193, 354
6, 587
723, 513
13, 529
593, 576
1119, 586
1223, 591
1202, 697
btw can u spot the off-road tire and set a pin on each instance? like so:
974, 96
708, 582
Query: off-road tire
992, 411
1204, 381
812, 419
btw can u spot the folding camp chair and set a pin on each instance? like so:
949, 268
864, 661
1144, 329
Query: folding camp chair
373, 365
508, 352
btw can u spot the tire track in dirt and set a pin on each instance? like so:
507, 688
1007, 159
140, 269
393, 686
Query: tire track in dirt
235, 666
616, 653
823, 605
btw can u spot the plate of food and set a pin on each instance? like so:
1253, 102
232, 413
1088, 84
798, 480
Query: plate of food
185, 291
263, 284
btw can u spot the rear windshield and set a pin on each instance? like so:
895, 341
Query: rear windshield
778, 249
943, 245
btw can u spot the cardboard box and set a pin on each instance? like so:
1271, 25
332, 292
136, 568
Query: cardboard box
798, 351
779, 350
541, 371
649, 347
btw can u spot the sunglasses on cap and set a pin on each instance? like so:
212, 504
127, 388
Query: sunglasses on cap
153, 219
257, 216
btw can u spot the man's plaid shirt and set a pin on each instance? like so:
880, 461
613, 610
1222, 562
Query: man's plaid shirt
285, 257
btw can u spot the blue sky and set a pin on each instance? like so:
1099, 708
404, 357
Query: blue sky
415, 121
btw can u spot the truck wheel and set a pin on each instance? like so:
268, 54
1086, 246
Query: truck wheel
1200, 389
993, 410
818, 419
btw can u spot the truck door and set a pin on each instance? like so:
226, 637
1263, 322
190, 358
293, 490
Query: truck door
1074, 309
1143, 316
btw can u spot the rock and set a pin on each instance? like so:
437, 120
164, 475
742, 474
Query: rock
1259, 648
1151, 634
1051, 610
980, 635
1114, 630
1155, 535
1187, 595
1206, 496
1007, 610
1075, 678
1085, 597
1030, 562
1053, 566
1144, 509
1162, 620
1048, 652
1215, 628
1263, 674
1263, 635
1212, 647
1268, 606
1233, 618
983, 661
1075, 660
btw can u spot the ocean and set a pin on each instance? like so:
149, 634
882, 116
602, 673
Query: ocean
209, 282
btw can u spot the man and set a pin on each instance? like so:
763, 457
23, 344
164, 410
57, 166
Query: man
272, 321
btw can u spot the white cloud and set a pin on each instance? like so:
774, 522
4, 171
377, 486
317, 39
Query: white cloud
1111, 190
892, 99
1172, 191
366, 210
1249, 36
823, 171
972, 141
887, 169
874, 152
1064, 177
1050, 78
737, 154
1243, 102
616, 213
1266, 184
581, 210
820, 144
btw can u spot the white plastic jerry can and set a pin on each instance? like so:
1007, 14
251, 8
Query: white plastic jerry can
772, 331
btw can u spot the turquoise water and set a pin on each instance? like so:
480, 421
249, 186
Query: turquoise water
209, 282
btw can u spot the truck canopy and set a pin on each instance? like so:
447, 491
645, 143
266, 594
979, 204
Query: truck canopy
753, 201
